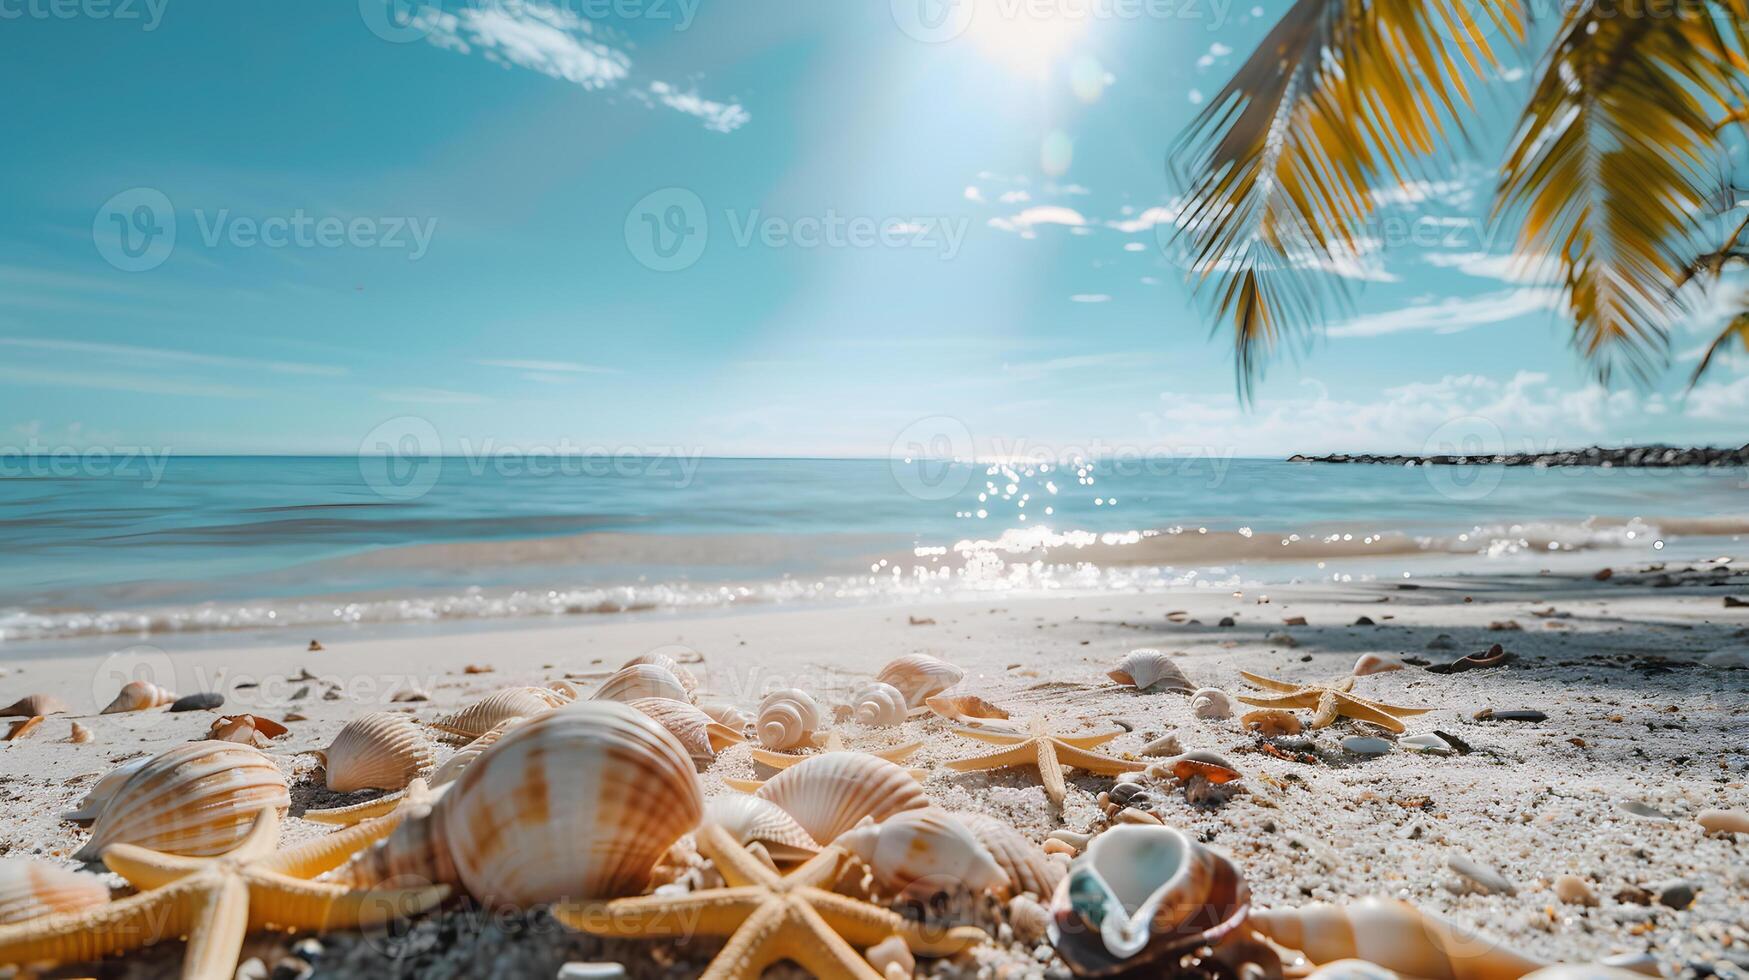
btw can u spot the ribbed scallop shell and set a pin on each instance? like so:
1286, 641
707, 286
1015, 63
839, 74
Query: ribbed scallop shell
880, 705
751, 819
381, 750
579, 803
740, 719
672, 666
924, 851
33, 888
1150, 670
1029, 868
452, 767
483, 715
699, 734
559, 693
919, 676
138, 696
787, 718
32, 705
92, 805
831, 793
198, 799
628, 684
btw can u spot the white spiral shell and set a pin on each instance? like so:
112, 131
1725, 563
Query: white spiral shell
675, 667
1150, 671
925, 850
699, 734
628, 684
787, 719
1211, 703
740, 719
919, 676
92, 805
197, 799
831, 793
29, 889
138, 696
750, 819
880, 705
487, 713
380, 750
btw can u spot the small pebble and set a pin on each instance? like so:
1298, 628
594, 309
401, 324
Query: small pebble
291, 968
891, 957
579, 970
204, 701
1637, 809
1366, 745
1574, 890
1442, 642
1479, 877
252, 969
1226, 621
1426, 742
1724, 821
1364, 621
1676, 894
1282, 640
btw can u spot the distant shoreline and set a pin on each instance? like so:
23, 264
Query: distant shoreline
1659, 457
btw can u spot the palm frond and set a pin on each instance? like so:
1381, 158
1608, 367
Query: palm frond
1738, 330
1277, 169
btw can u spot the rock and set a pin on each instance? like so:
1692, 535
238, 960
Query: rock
1511, 714
309, 950
1282, 640
1604, 574
314, 647
1643, 810
1442, 642
1426, 742
1634, 895
1574, 890
1479, 877
1365, 745
1732, 602
205, 701
892, 958
1364, 621
1506, 625
412, 694
291, 968
1167, 744
579, 970
1724, 821
1294, 621
1226, 621
1676, 894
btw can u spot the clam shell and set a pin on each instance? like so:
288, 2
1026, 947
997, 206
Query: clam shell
1271, 721
701, 736
750, 819
198, 799
830, 793
924, 851
725, 713
575, 804
1393, 934
787, 718
32, 705
1372, 663
29, 889
672, 666
138, 696
500, 706
1150, 671
1140, 893
1211, 703
381, 750
1028, 867
879, 705
641, 681
966, 708
94, 802
919, 676
464, 757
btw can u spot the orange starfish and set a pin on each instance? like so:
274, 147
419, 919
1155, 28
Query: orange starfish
1037, 746
1328, 702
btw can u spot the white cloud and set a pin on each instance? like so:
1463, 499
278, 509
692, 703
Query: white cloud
1457, 193
1216, 51
1451, 314
132, 355
1090, 298
1044, 214
1157, 215
548, 367
431, 396
717, 116
1482, 265
973, 194
1195, 96
1724, 401
1015, 197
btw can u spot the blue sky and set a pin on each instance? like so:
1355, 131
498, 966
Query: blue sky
747, 228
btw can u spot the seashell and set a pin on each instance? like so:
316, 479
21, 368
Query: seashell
1394, 935
965, 708
750, 819
138, 696
559, 693
1588, 971
725, 713
1427, 742
483, 715
1205, 764
1141, 893
1724, 821
575, 804
702, 737
1167, 744
1366, 745
920, 676
1372, 663
198, 799
923, 852
106, 788
204, 701
24, 727
830, 793
32, 705
892, 958
1150, 671
452, 767
880, 705
79, 735
1270, 722
246, 729
787, 718
1574, 890
1351, 970
1029, 920
381, 750
29, 889
1211, 703
672, 666
1029, 869
641, 681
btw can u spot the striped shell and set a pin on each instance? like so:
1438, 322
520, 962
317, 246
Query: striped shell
579, 803
1029, 868
739, 719
452, 767
628, 684
829, 794
1150, 671
702, 737
750, 819
919, 676
94, 802
32, 705
198, 799
138, 696
483, 715
880, 705
924, 851
381, 750
787, 718
672, 666
1393, 934
32, 888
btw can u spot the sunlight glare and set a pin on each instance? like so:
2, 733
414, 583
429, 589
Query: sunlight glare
1026, 36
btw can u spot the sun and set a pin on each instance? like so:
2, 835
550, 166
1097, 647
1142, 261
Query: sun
1026, 36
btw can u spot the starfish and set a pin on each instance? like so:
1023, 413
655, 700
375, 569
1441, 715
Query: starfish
833, 742
1038, 746
1329, 701
769, 917
215, 901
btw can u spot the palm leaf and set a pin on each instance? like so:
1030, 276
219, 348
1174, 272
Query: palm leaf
1277, 169
1738, 330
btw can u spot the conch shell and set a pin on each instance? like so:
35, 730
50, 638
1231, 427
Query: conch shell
575, 804
919, 677
112, 781
750, 819
1211, 703
702, 737
487, 713
138, 696
923, 852
672, 666
1150, 671
381, 750
32, 888
787, 718
32, 705
879, 706
1395, 935
628, 684
452, 767
722, 712
198, 799
830, 793
1028, 867
1141, 893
